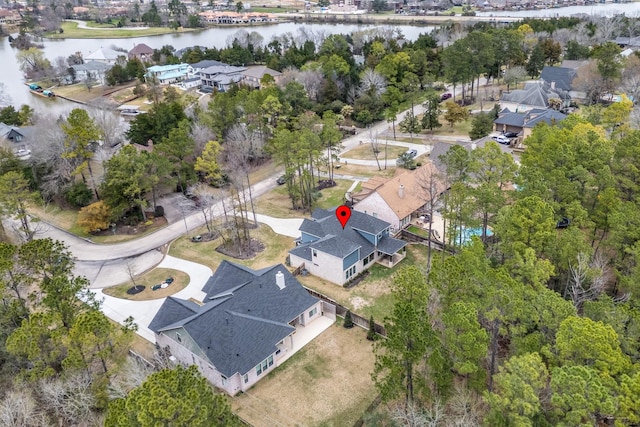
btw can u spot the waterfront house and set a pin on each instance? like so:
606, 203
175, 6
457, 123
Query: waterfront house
142, 52
167, 74
105, 55
339, 254
220, 77
92, 69
250, 323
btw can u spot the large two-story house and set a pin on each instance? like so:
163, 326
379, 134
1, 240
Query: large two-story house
250, 323
338, 254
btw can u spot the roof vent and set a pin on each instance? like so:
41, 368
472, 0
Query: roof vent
280, 280
474, 146
401, 191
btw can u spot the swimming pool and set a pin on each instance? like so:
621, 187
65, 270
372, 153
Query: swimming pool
467, 233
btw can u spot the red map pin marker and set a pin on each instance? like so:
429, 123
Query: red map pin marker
343, 213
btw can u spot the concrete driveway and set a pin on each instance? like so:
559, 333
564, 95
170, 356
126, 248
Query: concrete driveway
143, 312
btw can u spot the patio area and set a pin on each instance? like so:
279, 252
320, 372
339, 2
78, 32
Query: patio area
437, 226
305, 334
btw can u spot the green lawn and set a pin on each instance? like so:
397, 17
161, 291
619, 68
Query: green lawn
277, 203
365, 152
418, 231
276, 249
71, 31
153, 277
372, 296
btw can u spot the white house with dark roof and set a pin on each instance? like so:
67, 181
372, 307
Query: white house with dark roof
339, 254
220, 77
250, 323
16, 139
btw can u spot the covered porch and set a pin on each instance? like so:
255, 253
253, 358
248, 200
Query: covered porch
392, 251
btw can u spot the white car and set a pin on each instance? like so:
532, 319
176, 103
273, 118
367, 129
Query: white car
501, 139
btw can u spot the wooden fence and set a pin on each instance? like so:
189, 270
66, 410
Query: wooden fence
298, 270
342, 310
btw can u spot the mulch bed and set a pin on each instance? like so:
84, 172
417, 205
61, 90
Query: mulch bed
247, 251
129, 230
136, 289
357, 280
325, 183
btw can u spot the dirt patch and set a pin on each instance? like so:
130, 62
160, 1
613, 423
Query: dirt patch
327, 383
358, 302
245, 251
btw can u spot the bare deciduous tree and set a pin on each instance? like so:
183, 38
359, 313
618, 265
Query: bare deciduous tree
19, 409
71, 399
112, 126
430, 184
372, 82
586, 279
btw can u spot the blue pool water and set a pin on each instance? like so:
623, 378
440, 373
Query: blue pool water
474, 231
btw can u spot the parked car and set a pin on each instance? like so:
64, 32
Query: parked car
445, 96
510, 134
282, 180
501, 139
411, 153
563, 223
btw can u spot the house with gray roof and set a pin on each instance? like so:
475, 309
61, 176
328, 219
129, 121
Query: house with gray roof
93, 69
16, 139
220, 77
535, 95
250, 323
339, 254
105, 55
523, 123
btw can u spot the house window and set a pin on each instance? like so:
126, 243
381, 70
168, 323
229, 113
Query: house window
224, 379
371, 257
313, 312
365, 261
270, 360
246, 378
314, 252
178, 337
259, 369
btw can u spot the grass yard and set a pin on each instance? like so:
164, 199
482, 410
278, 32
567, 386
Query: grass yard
71, 31
365, 152
372, 296
79, 92
276, 249
419, 231
327, 383
366, 171
153, 277
277, 203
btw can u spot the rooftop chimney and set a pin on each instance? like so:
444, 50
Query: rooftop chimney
401, 191
280, 280
473, 146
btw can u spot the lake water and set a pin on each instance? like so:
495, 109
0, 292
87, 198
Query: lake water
13, 80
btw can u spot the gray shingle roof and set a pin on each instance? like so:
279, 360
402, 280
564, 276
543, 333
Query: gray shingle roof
510, 119
242, 320
390, 246
548, 116
208, 63
335, 240
562, 77
171, 311
92, 66
534, 93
